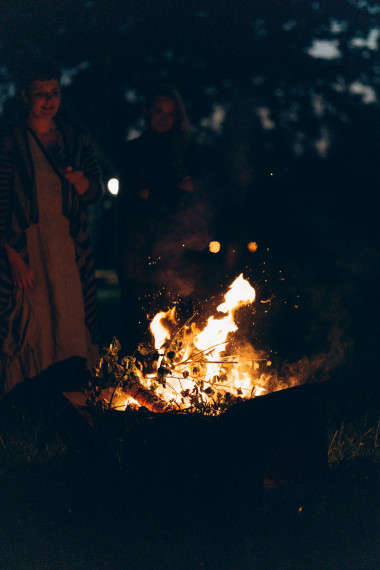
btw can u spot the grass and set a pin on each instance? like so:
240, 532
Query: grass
65, 505
354, 438
24, 440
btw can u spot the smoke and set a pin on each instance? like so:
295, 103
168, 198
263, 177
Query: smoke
183, 235
278, 376
317, 366
177, 283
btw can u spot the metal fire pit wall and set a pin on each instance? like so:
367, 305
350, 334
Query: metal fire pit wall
195, 459
292, 428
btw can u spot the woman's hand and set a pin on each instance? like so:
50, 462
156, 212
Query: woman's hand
186, 184
77, 179
22, 275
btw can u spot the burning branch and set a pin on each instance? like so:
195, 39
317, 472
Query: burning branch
112, 376
187, 369
147, 399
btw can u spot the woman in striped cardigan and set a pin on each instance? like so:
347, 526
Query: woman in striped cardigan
48, 173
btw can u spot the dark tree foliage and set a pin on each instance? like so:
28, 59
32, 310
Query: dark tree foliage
211, 50
295, 160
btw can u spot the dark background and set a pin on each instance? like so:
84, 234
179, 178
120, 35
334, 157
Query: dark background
289, 135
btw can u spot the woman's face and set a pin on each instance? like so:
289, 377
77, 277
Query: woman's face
163, 115
43, 98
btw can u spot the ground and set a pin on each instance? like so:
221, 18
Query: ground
68, 501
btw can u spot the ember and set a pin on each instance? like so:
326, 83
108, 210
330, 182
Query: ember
188, 369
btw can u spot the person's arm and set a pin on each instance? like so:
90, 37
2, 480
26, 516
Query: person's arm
190, 167
21, 272
77, 178
186, 184
87, 179
6, 178
136, 171
22, 275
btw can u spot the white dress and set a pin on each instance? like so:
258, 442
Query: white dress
47, 325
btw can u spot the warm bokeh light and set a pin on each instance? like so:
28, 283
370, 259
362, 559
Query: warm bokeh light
113, 186
214, 246
252, 246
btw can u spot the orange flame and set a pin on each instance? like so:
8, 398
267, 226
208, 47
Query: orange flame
192, 357
160, 332
202, 354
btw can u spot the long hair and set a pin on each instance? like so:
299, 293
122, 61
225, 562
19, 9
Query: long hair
181, 126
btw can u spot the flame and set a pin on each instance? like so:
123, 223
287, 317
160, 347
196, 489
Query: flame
203, 352
240, 293
217, 330
160, 332
200, 362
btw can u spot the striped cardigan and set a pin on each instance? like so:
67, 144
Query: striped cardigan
19, 210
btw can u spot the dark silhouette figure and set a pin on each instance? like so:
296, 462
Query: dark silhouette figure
156, 212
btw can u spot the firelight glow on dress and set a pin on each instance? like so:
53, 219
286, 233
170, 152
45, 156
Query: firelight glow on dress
56, 319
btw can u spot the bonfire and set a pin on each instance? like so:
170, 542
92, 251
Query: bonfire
185, 368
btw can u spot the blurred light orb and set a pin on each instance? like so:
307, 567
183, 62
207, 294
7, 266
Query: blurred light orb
113, 186
214, 246
252, 246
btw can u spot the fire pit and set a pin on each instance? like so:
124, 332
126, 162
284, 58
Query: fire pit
215, 462
205, 424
